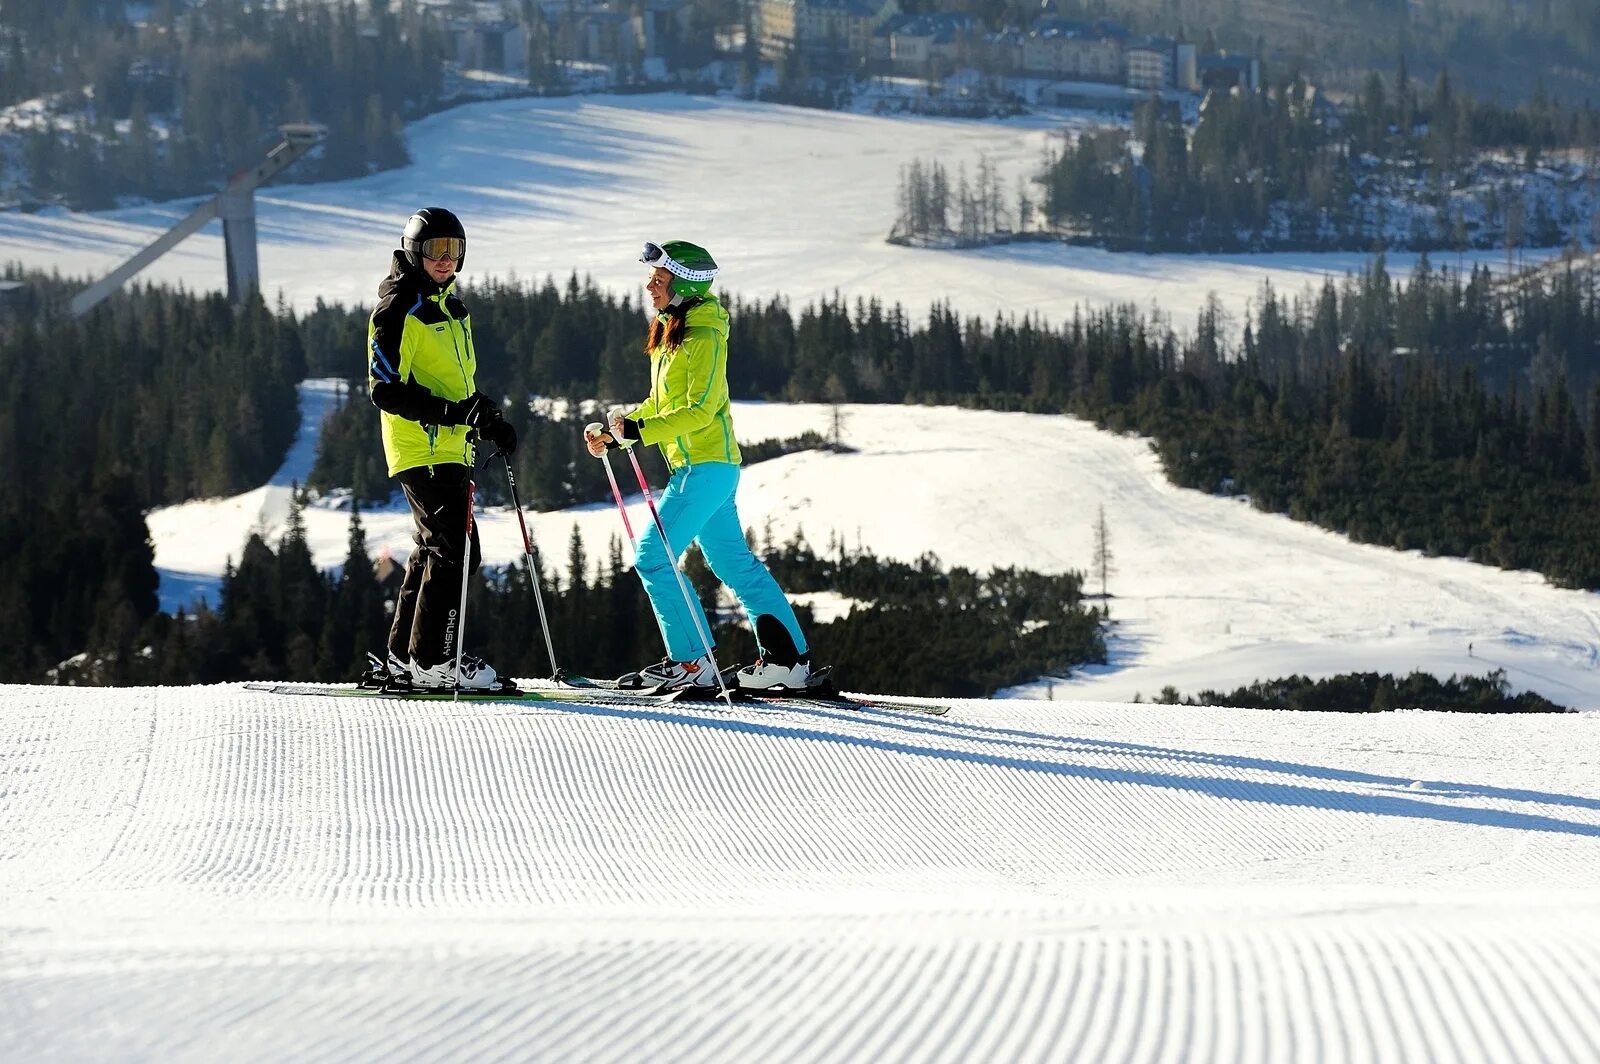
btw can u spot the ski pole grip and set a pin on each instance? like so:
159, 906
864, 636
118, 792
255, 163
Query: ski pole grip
595, 430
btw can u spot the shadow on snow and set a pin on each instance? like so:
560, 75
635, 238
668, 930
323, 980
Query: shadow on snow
1231, 788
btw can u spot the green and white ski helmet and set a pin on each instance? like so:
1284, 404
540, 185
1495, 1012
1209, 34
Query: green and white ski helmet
691, 266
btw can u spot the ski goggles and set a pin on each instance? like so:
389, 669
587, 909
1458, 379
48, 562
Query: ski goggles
656, 255
443, 247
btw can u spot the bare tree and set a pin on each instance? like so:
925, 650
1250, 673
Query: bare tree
1102, 551
1515, 211
834, 392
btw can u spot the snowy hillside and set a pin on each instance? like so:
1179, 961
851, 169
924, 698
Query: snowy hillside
791, 201
214, 874
1207, 593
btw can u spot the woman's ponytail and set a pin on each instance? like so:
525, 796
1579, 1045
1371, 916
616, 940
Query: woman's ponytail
667, 328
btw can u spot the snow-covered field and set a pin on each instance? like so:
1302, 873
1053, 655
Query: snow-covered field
791, 201
215, 874
1207, 593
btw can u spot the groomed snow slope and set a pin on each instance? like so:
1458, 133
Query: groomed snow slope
213, 873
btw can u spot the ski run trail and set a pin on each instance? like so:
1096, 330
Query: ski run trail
217, 873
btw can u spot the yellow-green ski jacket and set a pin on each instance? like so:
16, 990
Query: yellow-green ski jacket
688, 414
419, 353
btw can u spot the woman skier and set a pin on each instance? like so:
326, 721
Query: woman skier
421, 372
688, 416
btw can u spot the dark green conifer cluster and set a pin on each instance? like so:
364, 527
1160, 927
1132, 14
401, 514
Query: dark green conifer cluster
1400, 168
1370, 692
173, 105
155, 397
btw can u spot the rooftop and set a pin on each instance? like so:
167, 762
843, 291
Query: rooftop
1099, 29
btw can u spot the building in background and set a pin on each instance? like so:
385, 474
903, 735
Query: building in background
932, 45
1156, 63
1070, 48
833, 29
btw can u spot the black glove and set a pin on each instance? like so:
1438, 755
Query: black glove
500, 433
627, 435
475, 411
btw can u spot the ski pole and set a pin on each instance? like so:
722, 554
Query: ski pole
527, 548
596, 429
616, 493
696, 614
466, 563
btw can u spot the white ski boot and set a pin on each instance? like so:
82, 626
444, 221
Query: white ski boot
767, 676
476, 675
386, 672
669, 675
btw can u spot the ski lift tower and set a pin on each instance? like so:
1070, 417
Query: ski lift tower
236, 206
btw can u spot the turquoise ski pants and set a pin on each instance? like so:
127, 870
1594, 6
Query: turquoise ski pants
698, 506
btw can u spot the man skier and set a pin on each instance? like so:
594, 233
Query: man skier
421, 373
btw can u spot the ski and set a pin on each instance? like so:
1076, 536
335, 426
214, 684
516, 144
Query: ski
588, 687
815, 696
630, 682
821, 693
570, 692
834, 700
851, 702
511, 694
372, 691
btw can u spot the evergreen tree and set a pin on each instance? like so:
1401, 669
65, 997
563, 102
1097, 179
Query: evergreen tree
353, 625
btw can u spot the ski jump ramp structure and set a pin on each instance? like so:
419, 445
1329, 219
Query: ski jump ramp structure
236, 206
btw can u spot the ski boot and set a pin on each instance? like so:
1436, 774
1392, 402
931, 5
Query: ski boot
382, 672
477, 677
766, 675
669, 675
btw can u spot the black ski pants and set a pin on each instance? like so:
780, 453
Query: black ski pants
426, 622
